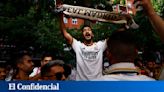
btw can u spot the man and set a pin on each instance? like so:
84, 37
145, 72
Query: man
150, 66
47, 57
2, 71
89, 54
53, 70
24, 66
122, 53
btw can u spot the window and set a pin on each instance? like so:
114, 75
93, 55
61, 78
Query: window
74, 21
65, 20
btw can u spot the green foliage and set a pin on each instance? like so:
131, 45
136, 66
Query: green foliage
33, 25
146, 35
39, 30
116, 2
158, 6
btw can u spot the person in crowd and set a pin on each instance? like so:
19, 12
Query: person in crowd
47, 57
150, 65
2, 70
70, 72
89, 54
161, 77
156, 72
139, 64
24, 66
10, 72
53, 70
122, 53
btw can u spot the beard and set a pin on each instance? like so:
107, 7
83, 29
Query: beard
29, 71
88, 37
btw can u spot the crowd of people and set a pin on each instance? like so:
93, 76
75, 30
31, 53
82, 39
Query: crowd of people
121, 53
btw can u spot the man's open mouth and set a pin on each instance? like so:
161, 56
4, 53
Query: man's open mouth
87, 34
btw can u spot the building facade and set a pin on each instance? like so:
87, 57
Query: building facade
73, 23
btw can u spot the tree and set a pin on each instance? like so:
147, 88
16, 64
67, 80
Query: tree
35, 26
158, 6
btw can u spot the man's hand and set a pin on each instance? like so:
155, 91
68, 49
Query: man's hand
148, 7
58, 9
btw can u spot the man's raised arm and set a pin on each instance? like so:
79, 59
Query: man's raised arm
66, 35
157, 21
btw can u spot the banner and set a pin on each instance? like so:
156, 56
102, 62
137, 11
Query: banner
94, 14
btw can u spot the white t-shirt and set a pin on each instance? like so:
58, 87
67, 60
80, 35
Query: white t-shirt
36, 71
89, 59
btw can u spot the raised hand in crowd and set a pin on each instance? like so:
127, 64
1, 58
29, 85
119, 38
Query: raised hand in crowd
156, 20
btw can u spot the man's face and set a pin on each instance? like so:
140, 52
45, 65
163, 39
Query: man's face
156, 73
27, 65
87, 33
56, 73
46, 60
150, 64
2, 73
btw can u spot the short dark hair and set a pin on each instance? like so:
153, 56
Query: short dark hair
46, 68
85, 26
122, 45
67, 69
47, 55
122, 37
19, 57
